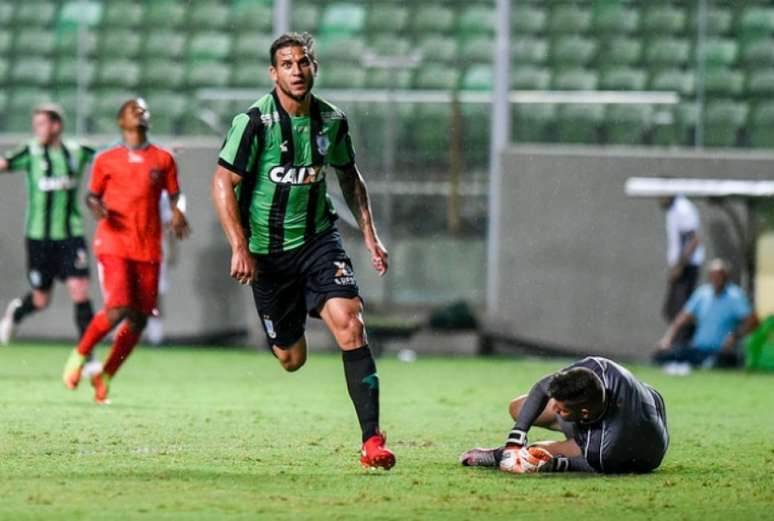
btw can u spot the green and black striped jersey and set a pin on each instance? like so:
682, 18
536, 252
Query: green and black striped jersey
281, 158
53, 176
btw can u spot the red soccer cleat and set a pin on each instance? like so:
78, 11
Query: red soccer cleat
375, 455
101, 384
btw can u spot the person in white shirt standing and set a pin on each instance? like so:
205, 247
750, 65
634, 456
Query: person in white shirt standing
685, 255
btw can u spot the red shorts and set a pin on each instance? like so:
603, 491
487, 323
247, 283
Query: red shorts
128, 283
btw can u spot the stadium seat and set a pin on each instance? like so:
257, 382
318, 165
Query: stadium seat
35, 42
68, 72
437, 77
305, 17
68, 100
388, 17
620, 51
579, 123
168, 74
627, 124
622, 78
77, 12
122, 14
526, 50
476, 49
675, 80
32, 71
251, 75
575, 79
165, 14
68, 41
254, 16
476, 19
755, 21
210, 15
762, 125
6, 40
478, 77
340, 48
35, 13
118, 73
21, 102
4, 68
390, 44
164, 44
572, 50
569, 19
208, 74
209, 46
6, 18
106, 105
718, 52
532, 122
527, 19
761, 83
342, 77
433, 18
166, 108
614, 18
722, 122
343, 18
120, 43
252, 46
758, 52
678, 127
718, 21
723, 82
438, 49
383, 79
529, 77
667, 52
663, 19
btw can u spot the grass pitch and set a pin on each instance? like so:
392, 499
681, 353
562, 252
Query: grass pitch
198, 434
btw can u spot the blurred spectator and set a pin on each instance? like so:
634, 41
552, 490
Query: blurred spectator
685, 255
722, 315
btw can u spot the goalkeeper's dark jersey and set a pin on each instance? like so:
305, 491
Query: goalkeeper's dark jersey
282, 160
53, 177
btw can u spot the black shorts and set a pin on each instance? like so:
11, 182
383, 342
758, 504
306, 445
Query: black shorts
298, 282
62, 259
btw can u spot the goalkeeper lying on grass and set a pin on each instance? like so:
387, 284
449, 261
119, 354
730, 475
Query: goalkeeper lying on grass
613, 422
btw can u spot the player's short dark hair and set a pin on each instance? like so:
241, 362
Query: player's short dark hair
52, 110
292, 40
577, 386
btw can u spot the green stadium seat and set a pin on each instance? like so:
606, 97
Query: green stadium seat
252, 46
77, 12
4, 69
575, 79
436, 18
122, 14
120, 43
529, 77
437, 77
476, 128
390, 45
21, 102
35, 42
758, 52
579, 123
388, 17
478, 77
718, 21
209, 46
35, 13
476, 49
573, 50
620, 50
305, 17
568, 19
722, 123
679, 129
667, 52
341, 48
255, 16
342, 77
164, 44
165, 14
723, 82
762, 125
383, 79
210, 15
32, 71
6, 40
168, 74
622, 78
614, 18
68, 41
208, 74
438, 49
527, 19
719, 52
675, 80
663, 19
761, 83
106, 105
6, 17
343, 18
166, 108
526, 50
627, 124
68, 73
476, 19
755, 21
118, 73
532, 122
68, 100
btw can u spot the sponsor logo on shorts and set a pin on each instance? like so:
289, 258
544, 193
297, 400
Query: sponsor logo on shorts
81, 259
344, 275
303, 175
35, 278
269, 325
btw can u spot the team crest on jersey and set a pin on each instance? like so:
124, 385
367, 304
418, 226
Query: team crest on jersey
302, 175
155, 176
269, 326
323, 143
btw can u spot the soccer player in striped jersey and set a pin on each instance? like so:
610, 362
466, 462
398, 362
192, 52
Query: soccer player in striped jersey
56, 248
270, 193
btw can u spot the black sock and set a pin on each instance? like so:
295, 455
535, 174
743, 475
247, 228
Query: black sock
83, 315
363, 386
498, 454
27, 308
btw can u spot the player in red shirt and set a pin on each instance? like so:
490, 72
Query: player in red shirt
126, 183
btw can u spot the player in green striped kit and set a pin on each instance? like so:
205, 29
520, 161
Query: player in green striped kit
54, 226
270, 194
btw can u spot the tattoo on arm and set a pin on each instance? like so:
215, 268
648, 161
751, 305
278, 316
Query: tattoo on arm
356, 195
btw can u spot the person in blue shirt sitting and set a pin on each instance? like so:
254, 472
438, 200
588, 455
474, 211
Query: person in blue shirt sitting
722, 314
